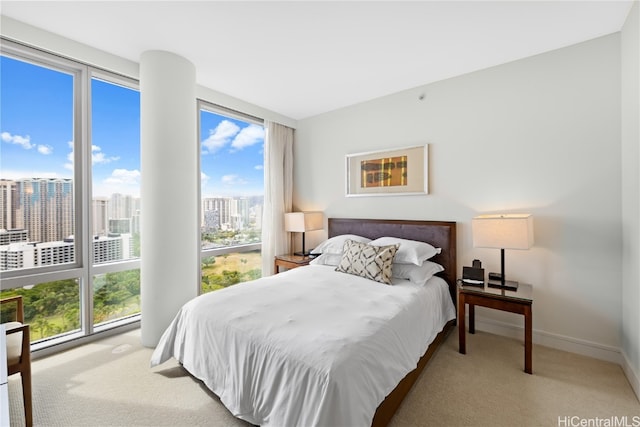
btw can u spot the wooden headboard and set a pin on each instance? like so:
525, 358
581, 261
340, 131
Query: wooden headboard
440, 234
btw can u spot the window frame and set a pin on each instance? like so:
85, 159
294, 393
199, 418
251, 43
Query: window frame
210, 107
82, 268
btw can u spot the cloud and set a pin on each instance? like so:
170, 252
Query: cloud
122, 181
124, 176
24, 141
220, 136
233, 180
45, 149
204, 178
248, 136
259, 167
97, 156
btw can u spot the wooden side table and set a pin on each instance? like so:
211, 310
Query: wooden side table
289, 261
519, 302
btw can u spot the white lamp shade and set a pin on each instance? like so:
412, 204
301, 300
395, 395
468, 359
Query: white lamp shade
506, 231
303, 221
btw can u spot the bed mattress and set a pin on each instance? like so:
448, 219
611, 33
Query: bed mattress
307, 347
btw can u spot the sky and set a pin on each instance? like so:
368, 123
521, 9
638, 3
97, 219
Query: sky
36, 136
231, 156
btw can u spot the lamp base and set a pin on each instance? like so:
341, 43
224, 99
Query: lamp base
509, 285
304, 254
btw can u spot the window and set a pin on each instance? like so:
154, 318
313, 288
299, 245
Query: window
232, 194
51, 308
69, 194
115, 205
37, 222
115, 296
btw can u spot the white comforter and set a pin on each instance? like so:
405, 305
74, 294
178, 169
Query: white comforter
307, 347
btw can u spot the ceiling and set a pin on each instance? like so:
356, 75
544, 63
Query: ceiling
303, 58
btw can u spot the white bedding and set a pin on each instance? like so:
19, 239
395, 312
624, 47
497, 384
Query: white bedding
307, 347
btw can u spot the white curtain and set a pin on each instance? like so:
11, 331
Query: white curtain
278, 192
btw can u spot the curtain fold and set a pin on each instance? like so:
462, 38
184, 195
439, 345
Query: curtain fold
278, 192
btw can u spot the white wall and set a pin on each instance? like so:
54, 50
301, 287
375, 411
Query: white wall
630, 42
539, 135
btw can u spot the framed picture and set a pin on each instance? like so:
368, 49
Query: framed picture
401, 171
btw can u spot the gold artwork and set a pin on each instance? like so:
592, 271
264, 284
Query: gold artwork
384, 172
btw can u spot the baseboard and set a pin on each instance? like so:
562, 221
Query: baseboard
559, 342
631, 374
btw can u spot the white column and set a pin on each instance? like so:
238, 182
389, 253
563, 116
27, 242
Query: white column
169, 210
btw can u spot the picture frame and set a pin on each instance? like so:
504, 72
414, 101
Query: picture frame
398, 171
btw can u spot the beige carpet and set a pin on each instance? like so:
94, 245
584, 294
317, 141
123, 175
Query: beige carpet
109, 383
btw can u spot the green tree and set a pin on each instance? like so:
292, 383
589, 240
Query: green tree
43, 326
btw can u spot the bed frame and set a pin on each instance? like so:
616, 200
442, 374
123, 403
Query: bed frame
440, 234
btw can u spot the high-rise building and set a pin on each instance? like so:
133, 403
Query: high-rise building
16, 256
123, 206
27, 255
45, 208
135, 221
13, 236
8, 202
119, 226
100, 216
211, 220
223, 205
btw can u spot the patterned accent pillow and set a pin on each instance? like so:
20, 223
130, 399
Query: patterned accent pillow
370, 262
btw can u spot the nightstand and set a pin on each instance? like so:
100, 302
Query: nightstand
289, 261
519, 302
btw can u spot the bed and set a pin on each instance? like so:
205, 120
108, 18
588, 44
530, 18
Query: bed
341, 351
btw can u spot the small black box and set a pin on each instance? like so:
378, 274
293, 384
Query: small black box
473, 276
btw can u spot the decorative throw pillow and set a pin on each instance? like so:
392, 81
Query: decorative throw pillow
370, 262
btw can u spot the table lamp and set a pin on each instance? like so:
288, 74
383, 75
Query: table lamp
301, 222
502, 231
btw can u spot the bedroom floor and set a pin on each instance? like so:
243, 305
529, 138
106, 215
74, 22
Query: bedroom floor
109, 383
488, 387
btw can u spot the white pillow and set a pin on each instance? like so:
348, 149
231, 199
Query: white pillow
418, 274
410, 251
327, 259
335, 244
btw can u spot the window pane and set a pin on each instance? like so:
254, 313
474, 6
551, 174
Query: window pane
232, 191
116, 295
51, 308
115, 152
229, 269
36, 179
